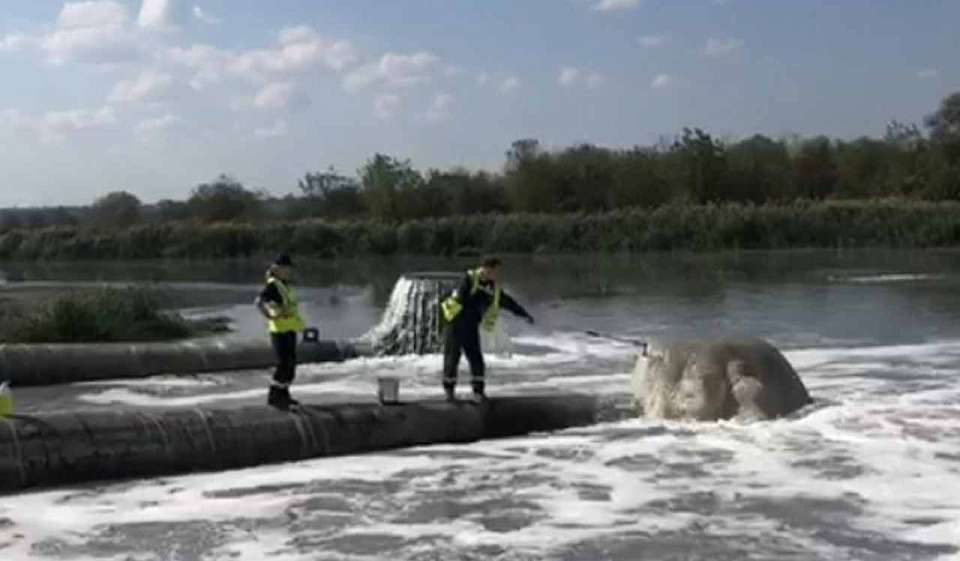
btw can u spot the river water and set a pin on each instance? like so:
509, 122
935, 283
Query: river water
871, 471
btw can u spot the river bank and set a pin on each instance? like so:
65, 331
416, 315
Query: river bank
890, 223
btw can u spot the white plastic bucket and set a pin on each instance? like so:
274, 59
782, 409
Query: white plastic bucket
388, 389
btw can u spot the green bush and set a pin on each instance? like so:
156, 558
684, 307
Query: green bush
108, 314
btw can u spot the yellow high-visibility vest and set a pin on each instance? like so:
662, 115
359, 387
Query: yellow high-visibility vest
6, 400
452, 306
289, 319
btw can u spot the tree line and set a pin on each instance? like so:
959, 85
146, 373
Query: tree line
695, 168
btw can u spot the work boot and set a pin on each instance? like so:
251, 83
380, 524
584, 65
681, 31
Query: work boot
277, 397
290, 401
478, 395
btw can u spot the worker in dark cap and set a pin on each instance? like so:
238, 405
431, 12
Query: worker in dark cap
278, 304
473, 306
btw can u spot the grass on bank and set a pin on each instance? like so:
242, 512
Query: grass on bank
133, 314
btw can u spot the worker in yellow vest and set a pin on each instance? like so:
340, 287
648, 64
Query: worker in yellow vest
278, 304
475, 304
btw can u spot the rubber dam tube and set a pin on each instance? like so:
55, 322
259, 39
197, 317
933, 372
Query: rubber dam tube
75, 447
39, 365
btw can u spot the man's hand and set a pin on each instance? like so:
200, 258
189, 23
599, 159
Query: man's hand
530, 320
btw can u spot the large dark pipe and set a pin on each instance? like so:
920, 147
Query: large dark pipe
40, 365
74, 447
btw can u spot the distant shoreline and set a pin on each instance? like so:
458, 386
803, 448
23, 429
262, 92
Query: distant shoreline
886, 223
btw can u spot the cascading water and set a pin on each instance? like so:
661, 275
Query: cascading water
412, 322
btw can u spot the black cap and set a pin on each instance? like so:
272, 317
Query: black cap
284, 261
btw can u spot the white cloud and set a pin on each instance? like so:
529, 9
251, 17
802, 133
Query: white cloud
14, 42
96, 45
928, 74
452, 70
393, 70
569, 76
158, 124
298, 34
149, 84
653, 41
508, 85
440, 108
158, 14
207, 62
92, 14
719, 48
274, 96
386, 106
199, 14
14, 119
300, 49
79, 119
615, 5
275, 130
661, 81
94, 32
55, 125
482, 78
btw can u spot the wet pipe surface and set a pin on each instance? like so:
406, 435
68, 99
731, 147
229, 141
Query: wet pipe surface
82, 446
44, 365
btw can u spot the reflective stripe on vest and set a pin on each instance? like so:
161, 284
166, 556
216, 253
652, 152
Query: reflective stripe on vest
289, 319
452, 306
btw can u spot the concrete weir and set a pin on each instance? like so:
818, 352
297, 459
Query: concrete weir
75, 447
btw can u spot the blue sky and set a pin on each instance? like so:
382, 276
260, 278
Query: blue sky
155, 96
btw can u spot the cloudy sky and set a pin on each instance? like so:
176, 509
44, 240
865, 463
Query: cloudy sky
154, 96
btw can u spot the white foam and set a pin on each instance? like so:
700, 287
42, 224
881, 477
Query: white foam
887, 278
161, 382
879, 440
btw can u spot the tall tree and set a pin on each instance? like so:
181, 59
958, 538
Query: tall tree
331, 194
118, 209
224, 199
387, 183
944, 125
704, 164
815, 169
